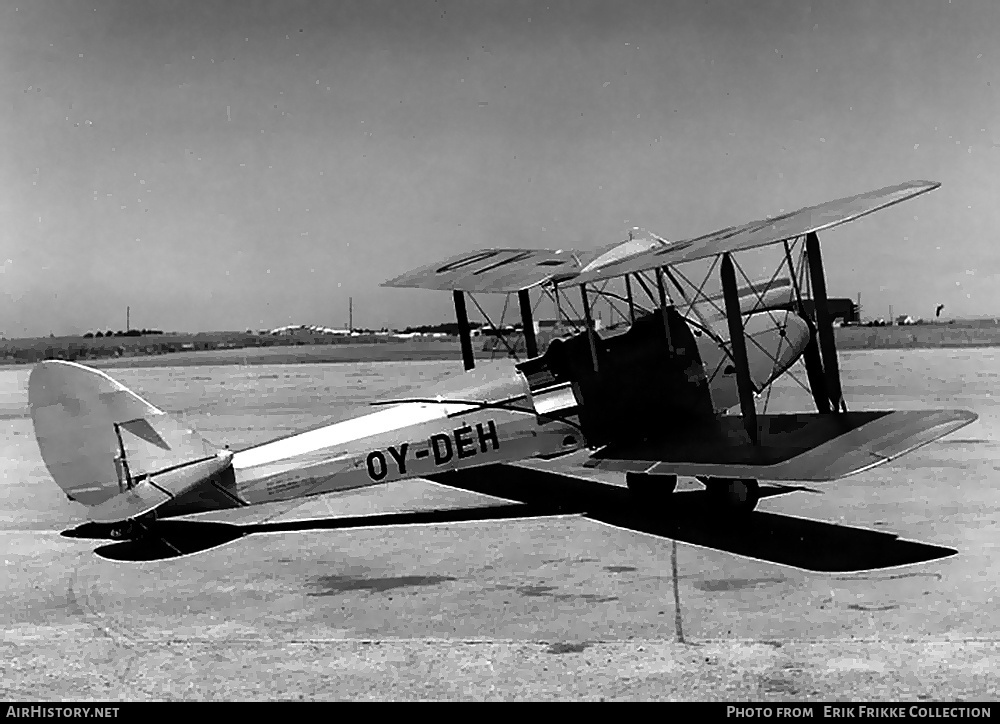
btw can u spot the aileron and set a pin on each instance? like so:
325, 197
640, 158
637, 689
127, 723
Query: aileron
496, 270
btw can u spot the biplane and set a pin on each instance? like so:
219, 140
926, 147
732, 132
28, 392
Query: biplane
672, 389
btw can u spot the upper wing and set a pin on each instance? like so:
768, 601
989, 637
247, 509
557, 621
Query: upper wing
497, 270
756, 233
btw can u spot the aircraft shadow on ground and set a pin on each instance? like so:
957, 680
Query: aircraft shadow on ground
694, 517
689, 517
175, 538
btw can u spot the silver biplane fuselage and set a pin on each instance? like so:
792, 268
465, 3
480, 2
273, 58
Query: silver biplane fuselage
459, 423
418, 438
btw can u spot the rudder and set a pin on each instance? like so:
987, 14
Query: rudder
83, 418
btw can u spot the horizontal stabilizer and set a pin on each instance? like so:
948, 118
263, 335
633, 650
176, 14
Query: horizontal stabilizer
155, 490
799, 447
130, 504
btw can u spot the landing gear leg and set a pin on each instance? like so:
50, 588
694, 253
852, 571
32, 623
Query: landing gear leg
651, 489
737, 495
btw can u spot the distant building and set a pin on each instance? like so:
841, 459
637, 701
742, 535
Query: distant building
553, 325
843, 310
307, 329
487, 331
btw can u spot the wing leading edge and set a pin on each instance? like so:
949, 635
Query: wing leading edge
758, 233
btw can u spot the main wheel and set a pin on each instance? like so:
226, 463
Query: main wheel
738, 495
133, 528
651, 489
123, 531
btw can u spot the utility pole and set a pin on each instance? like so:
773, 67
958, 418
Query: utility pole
127, 322
858, 310
350, 313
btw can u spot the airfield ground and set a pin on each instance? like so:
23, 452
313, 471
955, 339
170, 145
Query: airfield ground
537, 609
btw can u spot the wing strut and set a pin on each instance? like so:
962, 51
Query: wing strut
663, 307
631, 301
528, 325
810, 356
591, 334
739, 345
464, 332
555, 296
828, 346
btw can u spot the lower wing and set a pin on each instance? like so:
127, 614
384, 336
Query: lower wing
799, 447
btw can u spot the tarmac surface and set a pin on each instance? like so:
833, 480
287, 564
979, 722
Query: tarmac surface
557, 608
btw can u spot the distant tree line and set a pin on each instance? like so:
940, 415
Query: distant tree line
104, 344
119, 333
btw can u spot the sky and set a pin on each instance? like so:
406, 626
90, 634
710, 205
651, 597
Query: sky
231, 165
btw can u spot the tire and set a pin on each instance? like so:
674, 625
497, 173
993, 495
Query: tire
123, 531
651, 489
735, 495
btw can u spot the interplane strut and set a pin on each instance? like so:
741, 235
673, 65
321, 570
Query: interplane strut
738, 342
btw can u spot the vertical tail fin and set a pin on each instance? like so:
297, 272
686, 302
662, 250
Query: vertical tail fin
98, 439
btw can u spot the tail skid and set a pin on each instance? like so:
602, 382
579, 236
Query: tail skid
109, 449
